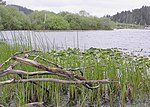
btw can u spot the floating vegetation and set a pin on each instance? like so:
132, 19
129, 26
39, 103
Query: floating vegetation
128, 78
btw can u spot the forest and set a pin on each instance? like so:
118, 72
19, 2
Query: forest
136, 16
13, 19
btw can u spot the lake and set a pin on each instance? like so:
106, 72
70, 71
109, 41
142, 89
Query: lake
127, 39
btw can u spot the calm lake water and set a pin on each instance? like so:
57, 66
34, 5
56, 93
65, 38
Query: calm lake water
130, 39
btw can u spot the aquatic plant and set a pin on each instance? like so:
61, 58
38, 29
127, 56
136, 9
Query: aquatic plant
130, 72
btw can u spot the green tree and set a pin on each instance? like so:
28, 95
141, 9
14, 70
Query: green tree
38, 19
88, 23
74, 20
55, 22
84, 13
12, 19
1, 26
106, 23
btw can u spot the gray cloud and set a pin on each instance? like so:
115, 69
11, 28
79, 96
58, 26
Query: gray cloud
95, 7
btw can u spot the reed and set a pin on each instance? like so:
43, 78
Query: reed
112, 64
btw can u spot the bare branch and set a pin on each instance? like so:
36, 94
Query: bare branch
77, 69
47, 61
1, 105
6, 82
25, 52
55, 80
24, 73
12, 65
46, 68
5, 62
34, 104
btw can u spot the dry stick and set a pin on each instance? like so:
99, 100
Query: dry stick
47, 68
70, 69
55, 80
25, 52
52, 70
5, 62
24, 73
77, 69
47, 61
10, 70
1, 105
17, 53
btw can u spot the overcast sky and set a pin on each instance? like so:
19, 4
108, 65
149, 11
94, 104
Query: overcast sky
94, 7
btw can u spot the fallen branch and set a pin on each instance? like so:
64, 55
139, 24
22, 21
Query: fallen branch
47, 61
76, 79
17, 53
24, 73
47, 68
5, 62
26, 52
34, 104
78, 69
13, 81
20, 73
1, 105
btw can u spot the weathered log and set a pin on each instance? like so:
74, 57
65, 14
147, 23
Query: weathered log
47, 68
54, 80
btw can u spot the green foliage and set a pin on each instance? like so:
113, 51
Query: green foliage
13, 19
106, 23
128, 71
127, 26
74, 21
37, 19
137, 16
1, 26
83, 22
55, 22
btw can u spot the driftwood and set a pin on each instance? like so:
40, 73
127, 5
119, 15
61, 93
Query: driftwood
1, 105
54, 80
47, 70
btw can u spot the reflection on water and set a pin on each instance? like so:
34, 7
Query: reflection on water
130, 39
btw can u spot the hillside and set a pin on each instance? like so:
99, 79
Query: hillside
22, 9
136, 16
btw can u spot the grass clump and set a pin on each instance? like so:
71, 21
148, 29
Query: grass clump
130, 72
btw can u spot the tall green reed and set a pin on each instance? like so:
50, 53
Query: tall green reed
129, 71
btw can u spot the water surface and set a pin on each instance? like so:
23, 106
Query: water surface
130, 39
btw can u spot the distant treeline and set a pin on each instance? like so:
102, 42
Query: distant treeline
13, 19
137, 16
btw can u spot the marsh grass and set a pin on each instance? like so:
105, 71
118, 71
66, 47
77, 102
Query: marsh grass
130, 71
